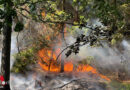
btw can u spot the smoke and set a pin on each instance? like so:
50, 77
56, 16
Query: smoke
105, 57
108, 58
22, 82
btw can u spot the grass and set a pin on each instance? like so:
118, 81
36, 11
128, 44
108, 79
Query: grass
116, 85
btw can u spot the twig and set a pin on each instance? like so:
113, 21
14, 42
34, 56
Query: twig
23, 9
67, 83
62, 52
65, 49
24, 15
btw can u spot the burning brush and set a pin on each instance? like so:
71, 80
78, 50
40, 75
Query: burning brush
47, 61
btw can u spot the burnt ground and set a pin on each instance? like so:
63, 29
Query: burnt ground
74, 81
83, 84
41, 80
65, 81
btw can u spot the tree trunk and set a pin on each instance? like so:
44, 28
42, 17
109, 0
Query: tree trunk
63, 38
5, 61
62, 66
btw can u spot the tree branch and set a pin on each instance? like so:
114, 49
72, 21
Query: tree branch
62, 52
67, 83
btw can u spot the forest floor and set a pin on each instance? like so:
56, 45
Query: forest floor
41, 80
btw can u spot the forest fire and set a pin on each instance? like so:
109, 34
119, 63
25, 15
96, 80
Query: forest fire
47, 60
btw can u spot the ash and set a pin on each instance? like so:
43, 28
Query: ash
58, 81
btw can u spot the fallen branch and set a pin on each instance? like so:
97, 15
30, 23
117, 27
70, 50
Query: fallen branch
67, 83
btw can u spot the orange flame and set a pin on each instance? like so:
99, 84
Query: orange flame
68, 67
86, 68
47, 60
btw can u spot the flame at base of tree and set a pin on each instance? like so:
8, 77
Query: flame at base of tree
47, 60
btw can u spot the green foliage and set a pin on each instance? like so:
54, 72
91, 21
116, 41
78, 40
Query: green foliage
113, 41
32, 7
2, 2
106, 11
127, 86
1, 14
76, 12
125, 8
116, 37
19, 27
113, 15
23, 59
119, 86
13, 13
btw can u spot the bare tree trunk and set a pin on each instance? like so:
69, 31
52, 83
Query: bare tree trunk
5, 61
62, 31
62, 66
62, 61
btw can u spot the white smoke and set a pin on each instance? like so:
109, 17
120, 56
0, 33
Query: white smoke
105, 57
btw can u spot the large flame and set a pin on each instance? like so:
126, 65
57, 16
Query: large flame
47, 60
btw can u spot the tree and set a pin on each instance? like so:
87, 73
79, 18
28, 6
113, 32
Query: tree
12, 8
7, 16
73, 13
7, 29
111, 15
